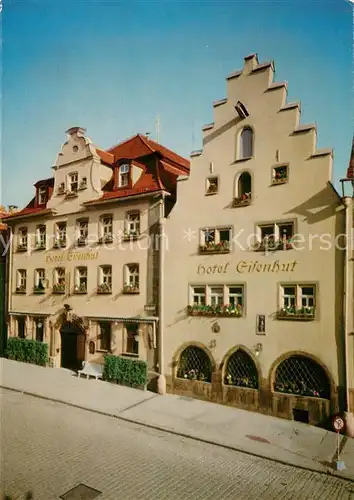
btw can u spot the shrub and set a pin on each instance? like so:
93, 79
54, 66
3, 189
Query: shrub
132, 372
27, 351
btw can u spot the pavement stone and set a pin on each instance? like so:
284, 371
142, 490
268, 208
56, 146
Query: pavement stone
49, 448
279, 439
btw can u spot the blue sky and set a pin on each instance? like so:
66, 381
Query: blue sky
112, 66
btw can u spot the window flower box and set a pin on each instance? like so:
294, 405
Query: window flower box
40, 245
107, 238
59, 289
246, 382
291, 313
71, 194
211, 247
59, 243
130, 235
80, 289
279, 180
193, 375
225, 311
272, 245
81, 242
22, 248
104, 288
39, 289
242, 201
297, 389
20, 289
131, 288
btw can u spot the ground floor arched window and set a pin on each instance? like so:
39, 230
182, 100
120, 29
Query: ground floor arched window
241, 371
301, 376
194, 364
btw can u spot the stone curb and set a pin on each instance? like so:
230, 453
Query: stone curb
328, 472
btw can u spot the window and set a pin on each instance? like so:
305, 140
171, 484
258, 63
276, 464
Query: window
280, 174
39, 281
297, 301
243, 190
61, 188
212, 186
83, 183
124, 175
80, 280
106, 229
42, 195
277, 236
21, 327
132, 224
105, 279
194, 364
41, 237
216, 300
22, 239
131, 284
132, 338
59, 280
73, 182
60, 238
21, 281
215, 240
104, 336
245, 144
82, 231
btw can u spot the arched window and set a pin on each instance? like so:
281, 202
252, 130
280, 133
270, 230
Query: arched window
245, 146
244, 186
194, 364
301, 376
241, 371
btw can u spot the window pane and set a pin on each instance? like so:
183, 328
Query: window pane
289, 290
286, 230
307, 290
267, 231
224, 234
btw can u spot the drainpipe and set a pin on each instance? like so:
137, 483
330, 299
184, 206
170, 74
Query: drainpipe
161, 382
348, 298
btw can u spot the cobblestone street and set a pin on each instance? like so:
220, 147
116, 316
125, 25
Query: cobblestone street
50, 448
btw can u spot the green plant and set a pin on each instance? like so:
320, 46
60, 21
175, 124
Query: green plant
132, 372
27, 351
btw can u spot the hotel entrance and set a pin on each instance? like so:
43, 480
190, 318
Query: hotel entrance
72, 346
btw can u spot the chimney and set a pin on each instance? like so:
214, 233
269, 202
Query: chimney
350, 171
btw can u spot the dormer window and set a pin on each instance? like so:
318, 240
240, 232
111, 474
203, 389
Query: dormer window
124, 175
73, 182
42, 195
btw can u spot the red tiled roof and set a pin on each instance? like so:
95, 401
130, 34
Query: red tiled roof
107, 158
140, 145
25, 212
48, 182
350, 171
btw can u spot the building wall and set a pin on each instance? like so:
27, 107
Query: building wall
307, 199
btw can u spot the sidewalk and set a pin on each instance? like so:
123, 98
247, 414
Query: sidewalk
277, 439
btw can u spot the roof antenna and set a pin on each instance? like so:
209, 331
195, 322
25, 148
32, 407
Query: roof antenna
158, 128
147, 134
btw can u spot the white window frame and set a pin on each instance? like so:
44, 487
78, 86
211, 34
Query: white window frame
82, 229
60, 276
127, 330
39, 276
205, 231
73, 182
106, 225
132, 275
105, 275
23, 236
81, 275
21, 279
42, 195
298, 295
211, 293
60, 231
276, 229
123, 175
132, 223
212, 181
41, 235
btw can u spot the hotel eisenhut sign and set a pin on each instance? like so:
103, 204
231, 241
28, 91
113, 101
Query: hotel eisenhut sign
243, 267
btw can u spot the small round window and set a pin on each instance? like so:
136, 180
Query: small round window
75, 149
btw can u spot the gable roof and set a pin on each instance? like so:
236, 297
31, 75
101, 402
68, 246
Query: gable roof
106, 157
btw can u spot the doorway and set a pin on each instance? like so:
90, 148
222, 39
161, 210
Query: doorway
72, 347
301, 415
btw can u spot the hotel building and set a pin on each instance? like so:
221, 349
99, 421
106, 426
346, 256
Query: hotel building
255, 319
85, 252
4, 242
